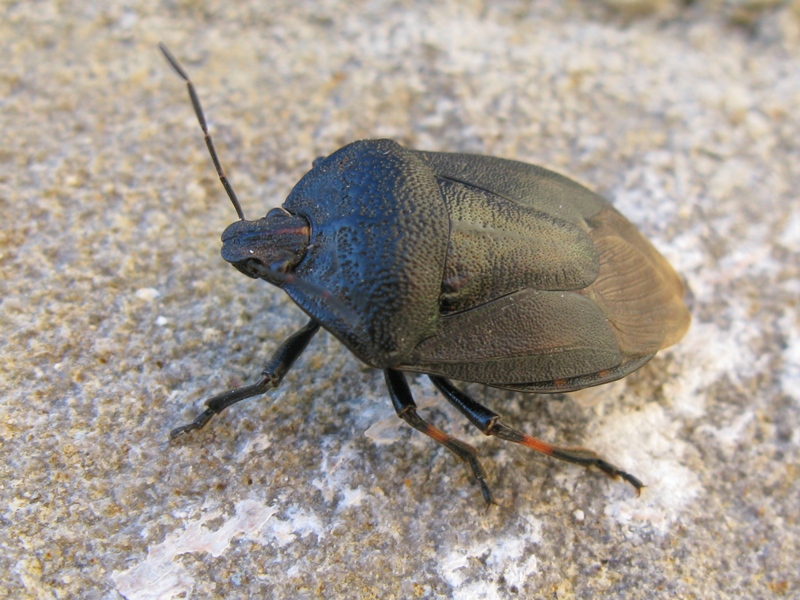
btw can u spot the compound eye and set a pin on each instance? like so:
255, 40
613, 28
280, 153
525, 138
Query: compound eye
281, 266
251, 267
256, 267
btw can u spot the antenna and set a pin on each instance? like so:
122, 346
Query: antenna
198, 110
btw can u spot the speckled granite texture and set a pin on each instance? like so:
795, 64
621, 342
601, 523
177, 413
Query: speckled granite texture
118, 317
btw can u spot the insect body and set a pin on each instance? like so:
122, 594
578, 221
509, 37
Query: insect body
458, 266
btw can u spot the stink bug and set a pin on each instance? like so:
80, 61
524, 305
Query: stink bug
459, 266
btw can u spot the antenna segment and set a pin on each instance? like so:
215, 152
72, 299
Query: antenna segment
198, 110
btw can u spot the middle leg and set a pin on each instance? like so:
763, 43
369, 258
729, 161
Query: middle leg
406, 409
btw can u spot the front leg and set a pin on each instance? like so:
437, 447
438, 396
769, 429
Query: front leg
271, 376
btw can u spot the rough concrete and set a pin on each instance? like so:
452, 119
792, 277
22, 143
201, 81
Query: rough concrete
119, 318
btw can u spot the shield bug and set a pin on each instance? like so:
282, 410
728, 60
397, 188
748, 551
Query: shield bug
459, 266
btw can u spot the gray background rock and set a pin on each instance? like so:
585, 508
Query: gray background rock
119, 318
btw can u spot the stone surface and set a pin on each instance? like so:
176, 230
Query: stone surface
118, 317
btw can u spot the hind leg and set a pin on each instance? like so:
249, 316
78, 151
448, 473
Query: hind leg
489, 423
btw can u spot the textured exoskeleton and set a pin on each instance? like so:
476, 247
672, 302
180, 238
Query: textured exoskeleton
471, 267
459, 266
